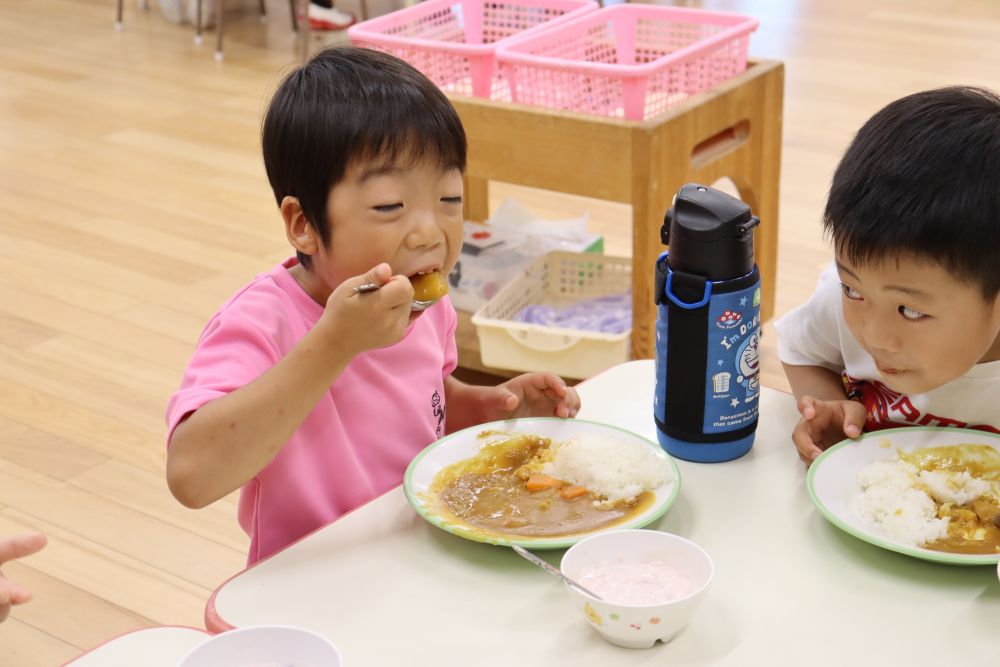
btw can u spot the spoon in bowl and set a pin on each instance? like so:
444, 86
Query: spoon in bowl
415, 304
527, 555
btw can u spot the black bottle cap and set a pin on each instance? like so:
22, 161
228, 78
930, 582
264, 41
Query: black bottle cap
709, 233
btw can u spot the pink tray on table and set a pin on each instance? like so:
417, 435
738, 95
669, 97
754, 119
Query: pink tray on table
454, 42
626, 61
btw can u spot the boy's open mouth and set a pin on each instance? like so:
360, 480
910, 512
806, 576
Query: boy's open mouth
422, 272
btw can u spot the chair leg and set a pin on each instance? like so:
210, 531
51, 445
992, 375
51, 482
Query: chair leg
300, 24
143, 5
364, 9
197, 22
218, 28
305, 30
263, 8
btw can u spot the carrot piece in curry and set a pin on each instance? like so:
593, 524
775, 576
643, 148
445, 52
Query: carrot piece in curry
572, 492
539, 482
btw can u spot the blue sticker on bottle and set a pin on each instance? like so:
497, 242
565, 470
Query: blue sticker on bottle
732, 381
660, 357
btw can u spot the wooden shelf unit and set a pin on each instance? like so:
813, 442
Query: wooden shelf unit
732, 131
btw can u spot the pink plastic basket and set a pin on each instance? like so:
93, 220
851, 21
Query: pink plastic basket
454, 42
626, 61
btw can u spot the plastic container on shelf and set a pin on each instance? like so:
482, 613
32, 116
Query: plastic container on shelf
454, 42
558, 280
629, 61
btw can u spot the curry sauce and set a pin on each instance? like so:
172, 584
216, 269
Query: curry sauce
489, 491
971, 527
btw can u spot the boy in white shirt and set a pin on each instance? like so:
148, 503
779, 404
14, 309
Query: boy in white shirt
904, 329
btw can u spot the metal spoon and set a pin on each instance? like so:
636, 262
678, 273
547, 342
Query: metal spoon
527, 555
415, 304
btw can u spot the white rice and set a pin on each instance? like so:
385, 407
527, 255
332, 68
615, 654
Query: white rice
900, 498
959, 488
890, 500
615, 470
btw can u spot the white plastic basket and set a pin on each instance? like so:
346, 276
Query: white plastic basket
556, 279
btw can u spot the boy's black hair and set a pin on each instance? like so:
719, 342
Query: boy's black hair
922, 177
347, 104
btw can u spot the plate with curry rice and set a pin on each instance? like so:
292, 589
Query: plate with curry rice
541, 482
927, 492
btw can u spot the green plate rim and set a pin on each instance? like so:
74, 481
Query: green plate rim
560, 542
915, 552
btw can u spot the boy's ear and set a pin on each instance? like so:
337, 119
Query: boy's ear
300, 233
995, 310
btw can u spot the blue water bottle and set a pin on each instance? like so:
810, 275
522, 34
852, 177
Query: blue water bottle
707, 328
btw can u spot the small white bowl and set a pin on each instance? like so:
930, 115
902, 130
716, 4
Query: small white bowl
638, 626
263, 644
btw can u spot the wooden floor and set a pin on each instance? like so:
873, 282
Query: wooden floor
133, 201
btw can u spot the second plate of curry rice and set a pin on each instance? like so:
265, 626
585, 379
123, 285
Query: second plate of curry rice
930, 493
541, 483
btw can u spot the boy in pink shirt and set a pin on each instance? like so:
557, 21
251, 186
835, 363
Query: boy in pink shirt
309, 395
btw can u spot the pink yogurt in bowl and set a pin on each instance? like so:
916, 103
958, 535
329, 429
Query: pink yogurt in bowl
649, 583
632, 583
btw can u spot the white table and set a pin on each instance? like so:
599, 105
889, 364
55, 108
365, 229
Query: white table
790, 589
151, 647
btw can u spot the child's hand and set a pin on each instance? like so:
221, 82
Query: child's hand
369, 320
532, 395
11, 548
825, 423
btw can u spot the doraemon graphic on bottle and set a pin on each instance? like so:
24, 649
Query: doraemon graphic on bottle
707, 328
748, 365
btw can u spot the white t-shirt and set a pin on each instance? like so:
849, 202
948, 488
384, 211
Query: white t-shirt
815, 334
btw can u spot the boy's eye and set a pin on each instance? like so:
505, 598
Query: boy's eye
388, 208
911, 314
451, 200
850, 292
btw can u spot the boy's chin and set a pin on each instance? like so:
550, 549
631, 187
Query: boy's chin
907, 382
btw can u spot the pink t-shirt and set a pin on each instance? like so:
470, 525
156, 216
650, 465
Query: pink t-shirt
386, 406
